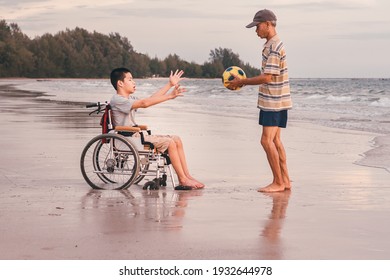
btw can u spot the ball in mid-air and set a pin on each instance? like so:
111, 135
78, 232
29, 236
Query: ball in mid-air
228, 75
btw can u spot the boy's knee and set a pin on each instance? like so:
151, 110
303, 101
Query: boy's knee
172, 144
265, 142
177, 140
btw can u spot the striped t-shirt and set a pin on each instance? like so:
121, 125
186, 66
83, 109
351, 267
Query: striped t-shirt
275, 96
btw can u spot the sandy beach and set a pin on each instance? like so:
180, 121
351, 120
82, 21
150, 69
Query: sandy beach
336, 210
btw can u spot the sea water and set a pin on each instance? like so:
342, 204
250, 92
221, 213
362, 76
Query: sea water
355, 104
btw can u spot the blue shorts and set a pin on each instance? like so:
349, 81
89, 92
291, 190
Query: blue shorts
268, 118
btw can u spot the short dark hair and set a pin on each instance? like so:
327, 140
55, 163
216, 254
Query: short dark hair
118, 74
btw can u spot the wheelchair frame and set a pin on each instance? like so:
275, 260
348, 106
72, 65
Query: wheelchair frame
113, 161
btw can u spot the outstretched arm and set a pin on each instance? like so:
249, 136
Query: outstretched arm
174, 80
261, 79
161, 95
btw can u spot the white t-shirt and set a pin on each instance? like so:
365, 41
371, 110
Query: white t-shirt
122, 112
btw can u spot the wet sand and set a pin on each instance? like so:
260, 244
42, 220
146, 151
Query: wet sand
336, 209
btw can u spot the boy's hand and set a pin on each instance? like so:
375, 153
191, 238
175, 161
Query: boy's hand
175, 78
178, 91
235, 83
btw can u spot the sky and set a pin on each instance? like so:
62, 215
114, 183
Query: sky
323, 38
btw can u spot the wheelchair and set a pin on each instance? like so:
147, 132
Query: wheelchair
116, 159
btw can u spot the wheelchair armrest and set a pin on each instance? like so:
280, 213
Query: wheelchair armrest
127, 128
142, 126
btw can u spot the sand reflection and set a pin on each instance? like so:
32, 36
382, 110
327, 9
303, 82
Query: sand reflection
271, 241
135, 209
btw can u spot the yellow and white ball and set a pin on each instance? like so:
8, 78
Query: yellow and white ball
227, 76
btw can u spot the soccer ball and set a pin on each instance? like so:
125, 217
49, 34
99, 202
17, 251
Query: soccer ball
227, 76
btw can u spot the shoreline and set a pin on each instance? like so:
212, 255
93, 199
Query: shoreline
49, 212
380, 149
373, 157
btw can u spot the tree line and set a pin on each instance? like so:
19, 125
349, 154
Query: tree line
79, 53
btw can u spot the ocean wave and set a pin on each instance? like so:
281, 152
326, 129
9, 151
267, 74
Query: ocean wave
382, 102
340, 98
378, 156
315, 96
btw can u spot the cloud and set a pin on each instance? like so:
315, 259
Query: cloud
362, 35
322, 5
20, 9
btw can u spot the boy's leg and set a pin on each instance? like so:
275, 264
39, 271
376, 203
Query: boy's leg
176, 154
282, 160
268, 142
182, 156
176, 160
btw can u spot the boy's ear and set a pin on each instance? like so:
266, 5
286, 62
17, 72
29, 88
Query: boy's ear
119, 83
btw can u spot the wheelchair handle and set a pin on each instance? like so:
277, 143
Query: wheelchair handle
100, 106
92, 105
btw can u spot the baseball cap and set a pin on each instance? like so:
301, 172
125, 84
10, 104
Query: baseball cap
262, 16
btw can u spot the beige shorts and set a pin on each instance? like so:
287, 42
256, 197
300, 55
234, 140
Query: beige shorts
161, 142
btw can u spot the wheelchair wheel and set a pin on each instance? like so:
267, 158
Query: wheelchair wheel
109, 161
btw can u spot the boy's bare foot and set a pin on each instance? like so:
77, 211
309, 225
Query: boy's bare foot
273, 187
201, 184
192, 183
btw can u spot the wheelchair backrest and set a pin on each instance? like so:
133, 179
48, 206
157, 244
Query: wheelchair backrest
106, 120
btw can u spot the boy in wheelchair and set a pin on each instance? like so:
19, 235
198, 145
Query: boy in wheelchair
124, 106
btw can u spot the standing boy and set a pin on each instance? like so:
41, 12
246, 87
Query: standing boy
274, 98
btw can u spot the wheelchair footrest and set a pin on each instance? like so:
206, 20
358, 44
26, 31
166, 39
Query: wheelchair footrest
156, 183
